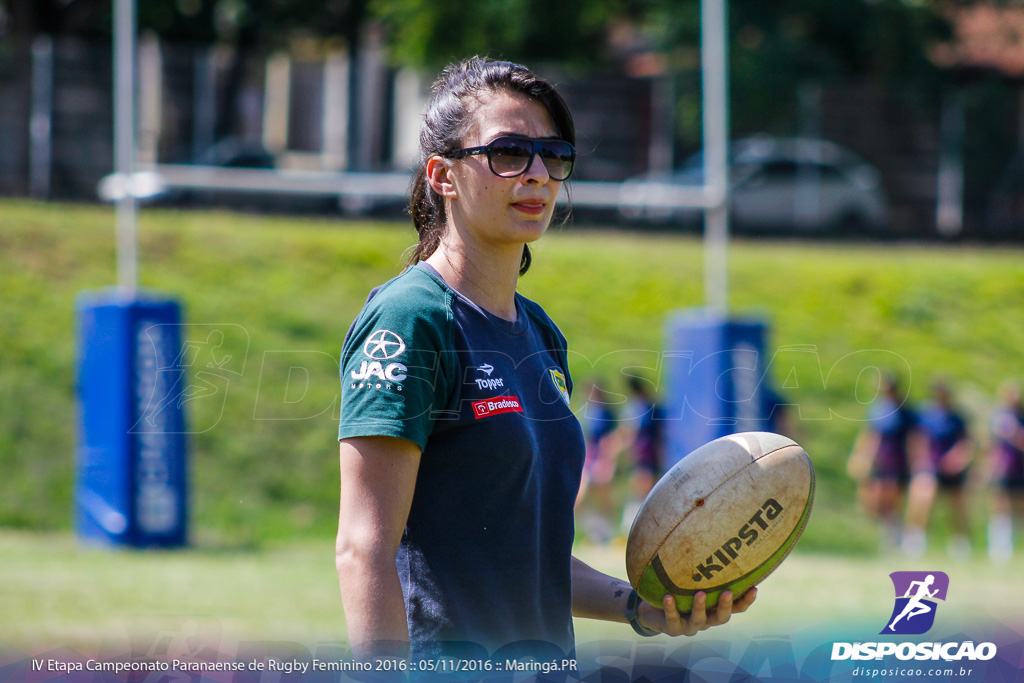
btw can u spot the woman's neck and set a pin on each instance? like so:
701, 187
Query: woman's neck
487, 277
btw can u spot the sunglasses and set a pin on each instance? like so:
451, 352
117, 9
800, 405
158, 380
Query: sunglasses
510, 156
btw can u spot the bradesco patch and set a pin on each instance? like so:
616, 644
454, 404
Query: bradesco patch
496, 406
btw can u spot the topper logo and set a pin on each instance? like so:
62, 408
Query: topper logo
745, 536
490, 383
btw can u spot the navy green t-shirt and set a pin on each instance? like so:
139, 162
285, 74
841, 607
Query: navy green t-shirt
485, 555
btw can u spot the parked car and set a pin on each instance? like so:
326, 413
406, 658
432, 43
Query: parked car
798, 185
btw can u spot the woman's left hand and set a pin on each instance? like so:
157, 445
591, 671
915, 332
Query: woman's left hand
674, 623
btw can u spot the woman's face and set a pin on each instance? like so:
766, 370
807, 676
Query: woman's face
503, 211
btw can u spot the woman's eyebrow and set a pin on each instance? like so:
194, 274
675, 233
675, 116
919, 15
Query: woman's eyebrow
516, 134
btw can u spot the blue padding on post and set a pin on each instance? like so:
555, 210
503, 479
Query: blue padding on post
715, 383
131, 470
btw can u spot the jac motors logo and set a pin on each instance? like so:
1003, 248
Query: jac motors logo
370, 370
383, 344
496, 406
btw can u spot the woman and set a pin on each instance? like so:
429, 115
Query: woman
949, 450
595, 498
460, 457
1006, 465
644, 437
885, 454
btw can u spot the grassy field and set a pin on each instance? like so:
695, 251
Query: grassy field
284, 291
60, 594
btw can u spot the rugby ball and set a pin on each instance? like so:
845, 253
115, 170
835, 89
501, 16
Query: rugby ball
722, 518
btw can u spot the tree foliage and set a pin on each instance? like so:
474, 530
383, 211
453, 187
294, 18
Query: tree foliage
269, 23
430, 34
777, 47
787, 38
774, 47
26, 18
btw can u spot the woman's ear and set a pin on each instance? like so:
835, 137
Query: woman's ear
439, 177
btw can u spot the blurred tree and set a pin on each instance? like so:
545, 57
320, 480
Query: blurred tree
431, 34
776, 47
269, 23
27, 18
986, 36
263, 23
787, 40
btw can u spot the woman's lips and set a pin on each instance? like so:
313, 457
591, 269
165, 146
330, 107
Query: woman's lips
532, 208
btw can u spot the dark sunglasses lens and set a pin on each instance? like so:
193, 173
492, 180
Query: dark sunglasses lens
509, 156
558, 158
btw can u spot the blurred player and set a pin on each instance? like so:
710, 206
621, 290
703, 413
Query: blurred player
1007, 469
944, 470
777, 412
641, 430
881, 459
595, 500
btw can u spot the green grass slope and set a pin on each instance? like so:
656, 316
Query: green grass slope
284, 290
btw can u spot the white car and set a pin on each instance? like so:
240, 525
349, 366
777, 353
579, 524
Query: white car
788, 184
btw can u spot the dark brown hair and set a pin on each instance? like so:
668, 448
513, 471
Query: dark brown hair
446, 121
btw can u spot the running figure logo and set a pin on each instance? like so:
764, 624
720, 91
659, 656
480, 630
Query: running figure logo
916, 595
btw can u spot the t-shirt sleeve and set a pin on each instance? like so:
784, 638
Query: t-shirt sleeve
556, 340
396, 366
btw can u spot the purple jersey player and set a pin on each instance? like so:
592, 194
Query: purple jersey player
642, 427
942, 469
1007, 469
881, 460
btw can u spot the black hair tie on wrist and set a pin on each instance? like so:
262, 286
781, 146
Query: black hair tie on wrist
632, 616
